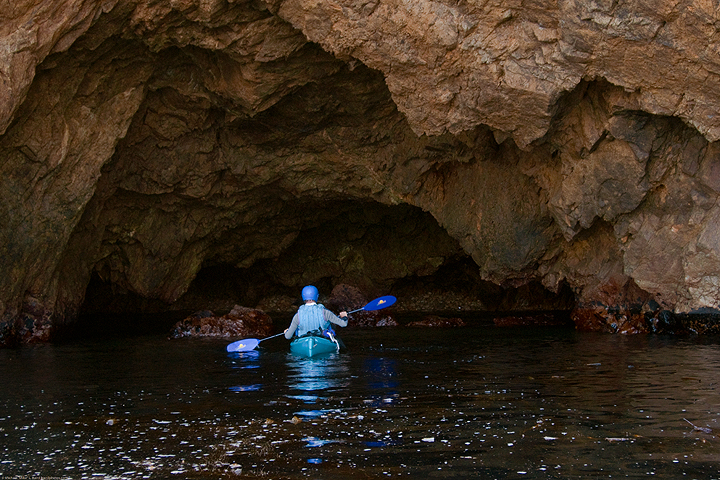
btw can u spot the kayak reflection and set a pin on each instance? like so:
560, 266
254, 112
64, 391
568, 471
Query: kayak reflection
318, 374
316, 379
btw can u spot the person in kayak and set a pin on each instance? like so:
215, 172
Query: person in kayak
313, 318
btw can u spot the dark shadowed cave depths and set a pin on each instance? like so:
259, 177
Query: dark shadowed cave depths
379, 249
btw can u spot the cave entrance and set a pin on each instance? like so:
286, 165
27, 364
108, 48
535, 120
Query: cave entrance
379, 249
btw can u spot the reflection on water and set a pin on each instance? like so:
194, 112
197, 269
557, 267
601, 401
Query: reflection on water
472, 402
321, 374
381, 373
244, 360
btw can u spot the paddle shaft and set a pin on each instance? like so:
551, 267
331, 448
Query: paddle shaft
247, 344
273, 336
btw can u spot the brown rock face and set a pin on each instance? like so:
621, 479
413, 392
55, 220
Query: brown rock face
376, 144
239, 322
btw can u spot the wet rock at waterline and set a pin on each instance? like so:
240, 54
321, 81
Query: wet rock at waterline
437, 321
34, 325
376, 145
640, 319
533, 320
372, 319
348, 298
239, 322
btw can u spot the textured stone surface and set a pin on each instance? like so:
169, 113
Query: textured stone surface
453, 65
372, 319
374, 144
437, 321
239, 322
538, 320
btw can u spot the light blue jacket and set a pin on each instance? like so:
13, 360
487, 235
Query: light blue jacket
312, 317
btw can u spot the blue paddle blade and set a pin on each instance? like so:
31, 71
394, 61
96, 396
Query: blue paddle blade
380, 303
244, 345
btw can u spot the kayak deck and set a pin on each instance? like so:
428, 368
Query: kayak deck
311, 346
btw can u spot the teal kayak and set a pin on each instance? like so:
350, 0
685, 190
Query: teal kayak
311, 346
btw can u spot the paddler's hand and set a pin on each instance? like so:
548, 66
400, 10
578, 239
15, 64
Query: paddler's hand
342, 314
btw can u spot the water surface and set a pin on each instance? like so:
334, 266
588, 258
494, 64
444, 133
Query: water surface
431, 403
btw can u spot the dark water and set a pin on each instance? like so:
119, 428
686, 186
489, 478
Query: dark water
457, 403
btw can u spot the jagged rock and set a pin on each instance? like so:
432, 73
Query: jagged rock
701, 322
437, 321
35, 324
239, 322
573, 145
603, 319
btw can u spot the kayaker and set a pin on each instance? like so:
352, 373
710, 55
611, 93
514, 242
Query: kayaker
312, 317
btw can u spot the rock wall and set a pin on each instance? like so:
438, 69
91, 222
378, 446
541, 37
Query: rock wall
568, 143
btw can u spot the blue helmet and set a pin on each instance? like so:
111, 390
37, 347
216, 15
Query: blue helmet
310, 293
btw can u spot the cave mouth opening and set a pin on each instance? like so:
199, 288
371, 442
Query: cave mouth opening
379, 249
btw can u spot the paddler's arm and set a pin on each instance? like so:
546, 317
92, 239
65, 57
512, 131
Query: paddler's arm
293, 326
332, 318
